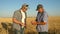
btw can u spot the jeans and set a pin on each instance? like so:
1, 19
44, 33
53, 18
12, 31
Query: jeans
21, 31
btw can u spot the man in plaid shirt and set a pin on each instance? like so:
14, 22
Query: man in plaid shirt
41, 20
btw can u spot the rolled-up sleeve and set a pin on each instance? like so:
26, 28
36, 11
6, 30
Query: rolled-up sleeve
15, 14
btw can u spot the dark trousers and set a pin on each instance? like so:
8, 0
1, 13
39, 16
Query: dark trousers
42, 32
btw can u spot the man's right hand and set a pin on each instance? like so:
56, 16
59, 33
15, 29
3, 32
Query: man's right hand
22, 24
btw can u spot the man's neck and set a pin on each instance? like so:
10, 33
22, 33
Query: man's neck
22, 11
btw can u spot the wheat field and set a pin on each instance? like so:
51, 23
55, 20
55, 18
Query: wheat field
53, 21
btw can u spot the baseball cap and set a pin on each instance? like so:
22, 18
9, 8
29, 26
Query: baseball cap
39, 6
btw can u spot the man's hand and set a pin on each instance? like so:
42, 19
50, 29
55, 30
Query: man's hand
22, 24
34, 22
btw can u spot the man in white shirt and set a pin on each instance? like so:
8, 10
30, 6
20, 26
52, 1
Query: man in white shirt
19, 19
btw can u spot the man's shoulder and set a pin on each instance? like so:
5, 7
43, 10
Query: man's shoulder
17, 11
45, 13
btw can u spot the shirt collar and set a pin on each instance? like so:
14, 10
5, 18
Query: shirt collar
22, 11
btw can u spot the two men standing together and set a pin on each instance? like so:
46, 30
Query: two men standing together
19, 20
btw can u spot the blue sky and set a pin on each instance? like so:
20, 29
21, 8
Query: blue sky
7, 7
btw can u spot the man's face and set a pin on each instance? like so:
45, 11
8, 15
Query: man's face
25, 9
40, 10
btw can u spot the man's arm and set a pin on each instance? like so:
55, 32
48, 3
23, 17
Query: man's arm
15, 15
36, 23
41, 23
15, 21
45, 19
18, 22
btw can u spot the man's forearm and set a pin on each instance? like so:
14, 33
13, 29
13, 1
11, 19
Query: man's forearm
18, 22
41, 23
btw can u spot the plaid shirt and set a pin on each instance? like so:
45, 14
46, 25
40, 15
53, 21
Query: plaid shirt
42, 18
18, 15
